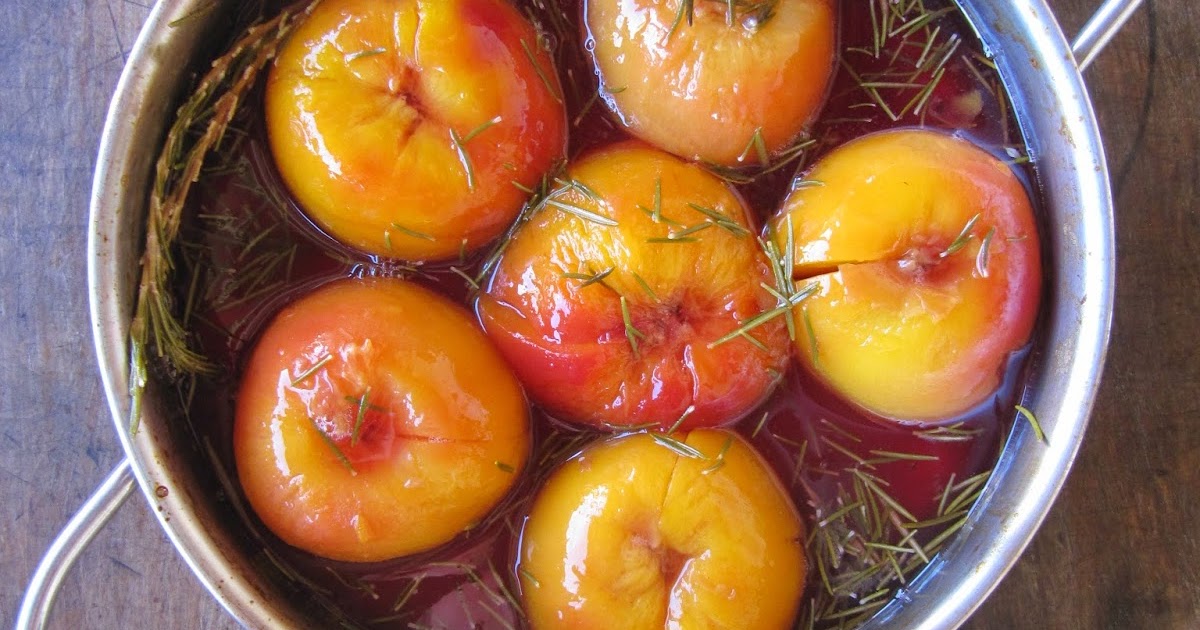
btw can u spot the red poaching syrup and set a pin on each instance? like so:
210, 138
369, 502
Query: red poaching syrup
249, 251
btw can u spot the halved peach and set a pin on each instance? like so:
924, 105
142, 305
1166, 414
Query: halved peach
714, 81
645, 531
374, 420
925, 250
400, 126
618, 302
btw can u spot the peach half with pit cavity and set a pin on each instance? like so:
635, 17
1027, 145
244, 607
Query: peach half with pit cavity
924, 252
400, 126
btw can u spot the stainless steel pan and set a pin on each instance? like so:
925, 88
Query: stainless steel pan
1042, 74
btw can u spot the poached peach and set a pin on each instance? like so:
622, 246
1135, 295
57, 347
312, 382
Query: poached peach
612, 301
374, 420
640, 533
714, 81
925, 250
401, 126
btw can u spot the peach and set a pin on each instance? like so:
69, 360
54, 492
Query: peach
612, 300
374, 421
647, 531
400, 126
925, 249
714, 81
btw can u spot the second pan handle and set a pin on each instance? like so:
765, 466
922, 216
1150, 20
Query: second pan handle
1106, 22
79, 531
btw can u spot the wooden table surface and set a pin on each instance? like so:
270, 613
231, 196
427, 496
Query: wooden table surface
1119, 549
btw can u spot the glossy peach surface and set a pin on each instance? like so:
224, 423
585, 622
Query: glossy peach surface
400, 125
442, 427
567, 337
632, 535
703, 90
926, 252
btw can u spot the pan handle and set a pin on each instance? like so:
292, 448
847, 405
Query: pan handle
79, 531
1100, 29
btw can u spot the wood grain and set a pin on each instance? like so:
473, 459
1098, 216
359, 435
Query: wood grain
1118, 550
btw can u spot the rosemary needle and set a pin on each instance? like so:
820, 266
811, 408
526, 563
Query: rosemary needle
1033, 422
632, 334
322, 362
678, 447
464, 158
345, 461
413, 233
960, 241
360, 415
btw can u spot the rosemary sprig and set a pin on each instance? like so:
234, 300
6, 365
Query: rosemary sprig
677, 446
687, 11
1033, 422
671, 239
768, 315
471, 283
471, 135
370, 52
985, 251
896, 455
759, 146
401, 600
742, 175
464, 158
719, 460
957, 432
588, 279
655, 209
961, 240
678, 423
537, 67
200, 125
360, 415
630, 428
306, 374
201, 10
864, 545
504, 590
582, 213
632, 334
356, 584
761, 422
337, 452
529, 577
721, 220
413, 233
749, 14
813, 348
579, 186
460, 148
915, 50
644, 285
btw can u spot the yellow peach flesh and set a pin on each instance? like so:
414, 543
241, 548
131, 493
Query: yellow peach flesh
632, 535
907, 322
400, 126
441, 433
704, 90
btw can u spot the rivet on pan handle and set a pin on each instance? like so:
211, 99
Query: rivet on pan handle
79, 531
1100, 29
